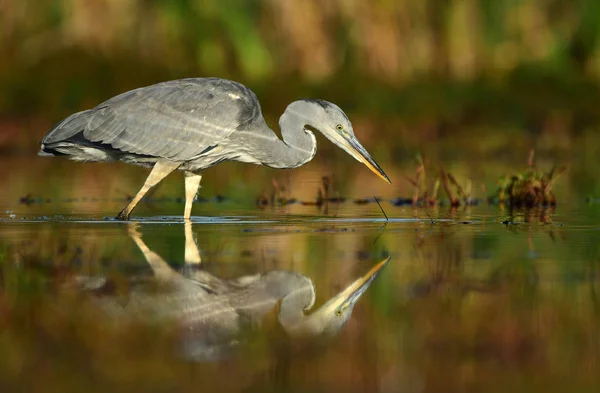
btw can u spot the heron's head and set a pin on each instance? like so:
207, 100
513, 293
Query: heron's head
328, 319
332, 122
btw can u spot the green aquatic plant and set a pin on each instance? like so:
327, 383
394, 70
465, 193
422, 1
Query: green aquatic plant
529, 188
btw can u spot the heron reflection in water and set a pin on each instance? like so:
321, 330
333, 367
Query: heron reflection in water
215, 313
194, 124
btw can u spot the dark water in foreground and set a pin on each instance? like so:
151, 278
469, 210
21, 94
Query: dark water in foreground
475, 299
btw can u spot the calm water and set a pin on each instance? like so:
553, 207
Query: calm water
475, 299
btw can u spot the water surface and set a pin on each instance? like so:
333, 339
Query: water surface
472, 299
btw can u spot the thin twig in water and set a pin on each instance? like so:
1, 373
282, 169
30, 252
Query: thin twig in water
379, 204
386, 219
430, 219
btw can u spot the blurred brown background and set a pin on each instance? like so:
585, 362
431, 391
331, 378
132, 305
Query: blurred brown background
454, 79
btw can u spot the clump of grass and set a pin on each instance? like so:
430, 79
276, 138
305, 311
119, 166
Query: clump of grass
422, 195
464, 194
425, 196
529, 188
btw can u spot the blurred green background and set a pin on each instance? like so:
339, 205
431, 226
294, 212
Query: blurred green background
458, 80
410, 69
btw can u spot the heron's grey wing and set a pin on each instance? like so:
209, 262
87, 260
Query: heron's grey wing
177, 120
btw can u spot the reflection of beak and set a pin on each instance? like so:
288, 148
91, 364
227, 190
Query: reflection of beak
361, 154
352, 293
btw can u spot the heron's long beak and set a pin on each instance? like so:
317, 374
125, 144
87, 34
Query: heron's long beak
361, 154
352, 293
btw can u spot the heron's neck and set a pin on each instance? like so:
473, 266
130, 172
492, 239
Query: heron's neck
297, 147
292, 317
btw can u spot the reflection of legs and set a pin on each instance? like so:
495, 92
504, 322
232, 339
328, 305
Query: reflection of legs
192, 182
160, 170
192, 254
162, 270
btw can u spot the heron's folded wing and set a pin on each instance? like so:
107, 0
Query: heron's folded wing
176, 120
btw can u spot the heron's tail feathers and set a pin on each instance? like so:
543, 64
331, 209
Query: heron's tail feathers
57, 141
68, 128
66, 138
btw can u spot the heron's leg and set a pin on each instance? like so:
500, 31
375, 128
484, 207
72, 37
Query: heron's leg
192, 254
160, 170
192, 183
161, 269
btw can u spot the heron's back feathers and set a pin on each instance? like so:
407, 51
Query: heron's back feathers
177, 120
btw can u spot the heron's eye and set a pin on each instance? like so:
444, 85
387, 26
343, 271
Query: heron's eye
338, 313
339, 127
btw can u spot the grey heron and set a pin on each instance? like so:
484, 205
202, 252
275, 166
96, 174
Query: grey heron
215, 313
194, 124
